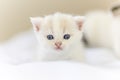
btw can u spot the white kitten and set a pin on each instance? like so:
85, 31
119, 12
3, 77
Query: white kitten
59, 36
103, 30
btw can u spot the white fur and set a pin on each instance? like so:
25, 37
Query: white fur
116, 36
103, 30
58, 24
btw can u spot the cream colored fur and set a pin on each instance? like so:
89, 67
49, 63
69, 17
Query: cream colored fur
59, 24
103, 30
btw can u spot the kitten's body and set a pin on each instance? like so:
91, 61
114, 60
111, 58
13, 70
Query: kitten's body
103, 30
58, 25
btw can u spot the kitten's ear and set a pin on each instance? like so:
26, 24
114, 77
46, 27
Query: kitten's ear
79, 21
115, 9
36, 22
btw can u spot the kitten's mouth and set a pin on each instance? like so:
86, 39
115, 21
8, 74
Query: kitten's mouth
58, 48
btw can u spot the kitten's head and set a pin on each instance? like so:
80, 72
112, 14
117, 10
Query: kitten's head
58, 31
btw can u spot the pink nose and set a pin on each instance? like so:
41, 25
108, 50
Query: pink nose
58, 44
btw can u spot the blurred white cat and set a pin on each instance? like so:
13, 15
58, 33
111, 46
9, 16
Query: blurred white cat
102, 29
59, 37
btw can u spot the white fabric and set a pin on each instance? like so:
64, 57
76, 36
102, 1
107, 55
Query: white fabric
16, 63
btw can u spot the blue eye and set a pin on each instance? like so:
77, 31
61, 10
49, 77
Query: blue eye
50, 37
66, 36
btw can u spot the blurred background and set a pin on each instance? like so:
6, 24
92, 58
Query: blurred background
14, 14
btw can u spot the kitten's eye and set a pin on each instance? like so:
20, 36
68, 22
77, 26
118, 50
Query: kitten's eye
50, 37
66, 36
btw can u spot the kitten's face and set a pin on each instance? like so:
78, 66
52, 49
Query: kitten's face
58, 32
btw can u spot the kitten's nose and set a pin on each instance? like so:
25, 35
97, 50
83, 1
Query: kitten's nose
58, 44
